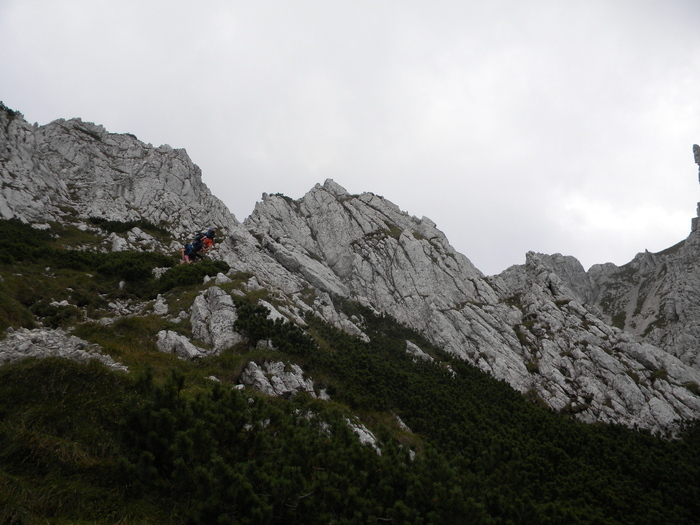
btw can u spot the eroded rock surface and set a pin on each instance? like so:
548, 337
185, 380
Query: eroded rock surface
45, 342
212, 316
276, 379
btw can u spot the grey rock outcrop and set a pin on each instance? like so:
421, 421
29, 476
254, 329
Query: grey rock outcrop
276, 379
655, 297
364, 435
415, 351
160, 307
170, 342
535, 326
374, 253
79, 165
581, 365
212, 316
44, 342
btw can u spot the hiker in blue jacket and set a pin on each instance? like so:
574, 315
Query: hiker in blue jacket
190, 252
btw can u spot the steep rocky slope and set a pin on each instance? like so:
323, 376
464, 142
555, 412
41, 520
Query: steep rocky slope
75, 167
527, 326
655, 297
612, 344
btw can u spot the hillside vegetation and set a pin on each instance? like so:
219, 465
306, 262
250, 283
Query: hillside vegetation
166, 444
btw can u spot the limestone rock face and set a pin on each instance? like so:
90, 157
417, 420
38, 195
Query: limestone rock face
655, 297
538, 326
374, 253
212, 317
79, 165
363, 247
582, 365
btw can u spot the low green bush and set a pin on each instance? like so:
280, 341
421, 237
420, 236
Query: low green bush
125, 226
55, 316
189, 274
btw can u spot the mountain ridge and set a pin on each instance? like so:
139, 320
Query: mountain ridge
547, 327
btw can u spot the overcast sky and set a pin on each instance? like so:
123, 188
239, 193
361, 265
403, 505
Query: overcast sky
554, 126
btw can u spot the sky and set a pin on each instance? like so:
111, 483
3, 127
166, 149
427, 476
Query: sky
547, 126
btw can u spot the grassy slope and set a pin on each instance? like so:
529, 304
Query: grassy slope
79, 444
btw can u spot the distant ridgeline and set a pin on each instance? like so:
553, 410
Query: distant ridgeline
332, 360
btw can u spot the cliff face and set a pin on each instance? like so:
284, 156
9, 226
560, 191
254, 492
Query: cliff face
655, 297
71, 166
612, 344
535, 326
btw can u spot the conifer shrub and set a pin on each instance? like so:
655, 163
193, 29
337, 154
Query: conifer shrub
189, 274
125, 226
19, 237
10, 112
82, 443
133, 266
693, 387
55, 316
659, 374
618, 320
163, 444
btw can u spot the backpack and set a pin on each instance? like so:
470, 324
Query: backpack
193, 247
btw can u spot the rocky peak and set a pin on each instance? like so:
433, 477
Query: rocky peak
653, 297
76, 165
332, 187
535, 326
364, 246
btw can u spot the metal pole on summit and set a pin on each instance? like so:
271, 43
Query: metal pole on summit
696, 154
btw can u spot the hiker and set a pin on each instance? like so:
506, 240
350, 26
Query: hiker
203, 242
208, 240
190, 252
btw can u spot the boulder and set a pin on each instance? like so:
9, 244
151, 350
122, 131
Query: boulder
212, 316
276, 379
171, 342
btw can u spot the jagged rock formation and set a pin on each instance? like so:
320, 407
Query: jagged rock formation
654, 297
611, 344
581, 364
364, 248
79, 167
529, 326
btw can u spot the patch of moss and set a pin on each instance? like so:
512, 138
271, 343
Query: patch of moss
618, 320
